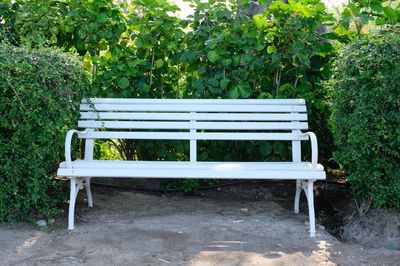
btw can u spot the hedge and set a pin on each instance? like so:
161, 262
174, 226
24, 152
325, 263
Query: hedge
366, 117
40, 91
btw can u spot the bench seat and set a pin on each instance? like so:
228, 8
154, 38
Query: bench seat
173, 169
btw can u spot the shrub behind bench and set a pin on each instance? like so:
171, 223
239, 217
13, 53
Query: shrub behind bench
366, 117
40, 91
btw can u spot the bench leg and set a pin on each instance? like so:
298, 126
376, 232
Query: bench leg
297, 196
88, 192
310, 199
307, 186
75, 186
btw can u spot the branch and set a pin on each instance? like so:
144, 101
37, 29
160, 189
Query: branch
151, 68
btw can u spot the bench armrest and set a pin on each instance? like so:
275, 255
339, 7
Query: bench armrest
314, 147
68, 140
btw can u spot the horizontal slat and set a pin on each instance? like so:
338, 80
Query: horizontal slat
192, 135
217, 166
189, 173
195, 101
194, 125
193, 116
194, 108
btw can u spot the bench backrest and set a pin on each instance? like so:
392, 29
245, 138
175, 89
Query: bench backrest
192, 119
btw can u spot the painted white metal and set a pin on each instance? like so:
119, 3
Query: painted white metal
68, 140
89, 147
310, 201
245, 108
307, 187
195, 101
177, 165
191, 135
193, 125
120, 116
193, 142
86, 184
192, 173
314, 146
297, 196
76, 184
278, 119
72, 199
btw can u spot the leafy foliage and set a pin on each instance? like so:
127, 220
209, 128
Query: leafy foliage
139, 48
357, 17
40, 91
366, 116
8, 13
278, 54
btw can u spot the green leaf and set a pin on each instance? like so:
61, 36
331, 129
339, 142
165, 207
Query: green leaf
145, 88
278, 148
123, 83
215, 90
234, 93
224, 83
241, 90
102, 18
213, 56
202, 69
260, 45
81, 33
380, 21
265, 149
108, 34
236, 60
390, 13
159, 63
275, 57
198, 85
103, 46
260, 21
213, 82
271, 49
319, 7
227, 62
298, 46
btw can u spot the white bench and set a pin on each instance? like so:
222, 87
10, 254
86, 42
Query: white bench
192, 120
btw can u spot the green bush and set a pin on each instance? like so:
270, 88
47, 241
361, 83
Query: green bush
40, 91
366, 117
8, 13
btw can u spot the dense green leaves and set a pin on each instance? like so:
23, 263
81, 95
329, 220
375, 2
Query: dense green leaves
40, 91
8, 14
366, 116
143, 50
140, 48
358, 17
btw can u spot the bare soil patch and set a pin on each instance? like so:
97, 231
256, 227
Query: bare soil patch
213, 227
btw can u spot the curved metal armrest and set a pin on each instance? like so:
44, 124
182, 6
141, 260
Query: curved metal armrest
68, 140
314, 147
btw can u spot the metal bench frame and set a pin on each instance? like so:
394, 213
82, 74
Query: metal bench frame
192, 120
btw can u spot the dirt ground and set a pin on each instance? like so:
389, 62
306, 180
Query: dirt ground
135, 228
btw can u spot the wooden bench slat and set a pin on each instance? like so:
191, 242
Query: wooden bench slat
194, 116
192, 135
194, 125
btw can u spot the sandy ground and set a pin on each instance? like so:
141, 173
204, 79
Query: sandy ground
133, 228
